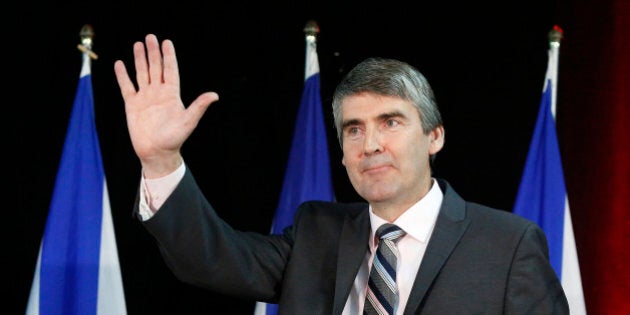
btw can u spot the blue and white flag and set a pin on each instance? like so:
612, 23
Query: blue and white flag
308, 175
542, 195
77, 269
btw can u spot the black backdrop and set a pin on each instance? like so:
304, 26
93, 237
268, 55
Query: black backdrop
486, 61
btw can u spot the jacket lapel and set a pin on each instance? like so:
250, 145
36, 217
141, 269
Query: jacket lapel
353, 245
449, 228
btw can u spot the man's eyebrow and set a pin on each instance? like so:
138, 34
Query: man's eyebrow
381, 117
350, 122
392, 114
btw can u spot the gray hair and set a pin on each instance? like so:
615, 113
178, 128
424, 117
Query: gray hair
388, 77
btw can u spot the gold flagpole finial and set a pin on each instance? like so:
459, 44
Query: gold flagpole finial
555, 35
87, 38
311, 28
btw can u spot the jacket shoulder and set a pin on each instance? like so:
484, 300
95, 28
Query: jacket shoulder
331, 208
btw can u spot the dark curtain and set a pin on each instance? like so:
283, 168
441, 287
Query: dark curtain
593, 123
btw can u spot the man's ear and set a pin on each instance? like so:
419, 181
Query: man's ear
437, 140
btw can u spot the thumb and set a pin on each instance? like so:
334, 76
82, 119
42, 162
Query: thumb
199, 106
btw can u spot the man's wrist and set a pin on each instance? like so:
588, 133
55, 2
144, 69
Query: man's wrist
161, 167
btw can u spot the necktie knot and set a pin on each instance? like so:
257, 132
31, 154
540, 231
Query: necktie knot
390, 232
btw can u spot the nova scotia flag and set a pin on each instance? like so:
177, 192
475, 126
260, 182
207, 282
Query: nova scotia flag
77, 269
542, 195
308, 174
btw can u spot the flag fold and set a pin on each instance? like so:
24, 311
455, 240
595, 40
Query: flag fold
77, 270
308, 175
542, 195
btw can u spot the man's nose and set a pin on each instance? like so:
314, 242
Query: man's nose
373, 141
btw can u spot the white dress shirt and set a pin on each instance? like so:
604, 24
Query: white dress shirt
418, 222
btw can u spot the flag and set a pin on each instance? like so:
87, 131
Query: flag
77, 270
308, 174
542, 195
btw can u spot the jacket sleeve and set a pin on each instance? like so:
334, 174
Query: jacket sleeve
203, 250
533, 287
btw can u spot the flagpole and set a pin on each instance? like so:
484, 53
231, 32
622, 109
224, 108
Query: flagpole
311, 30
555, 36
77, 270
308, 175
87, 37
570, 277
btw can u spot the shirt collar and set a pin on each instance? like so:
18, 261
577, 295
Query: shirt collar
417, 221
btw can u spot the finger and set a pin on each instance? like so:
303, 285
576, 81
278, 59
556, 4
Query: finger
140, 59
199, 106
124, 82
171, 69
155, 59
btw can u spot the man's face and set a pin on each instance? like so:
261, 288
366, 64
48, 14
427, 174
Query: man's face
385, 151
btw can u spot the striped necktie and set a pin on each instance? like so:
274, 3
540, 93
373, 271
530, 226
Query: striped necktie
382, 293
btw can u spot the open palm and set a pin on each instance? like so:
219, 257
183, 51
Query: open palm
157, 119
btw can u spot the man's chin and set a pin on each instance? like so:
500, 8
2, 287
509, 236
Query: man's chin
376, 195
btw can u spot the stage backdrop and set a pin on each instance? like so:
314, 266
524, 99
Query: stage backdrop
593, 121
485, 59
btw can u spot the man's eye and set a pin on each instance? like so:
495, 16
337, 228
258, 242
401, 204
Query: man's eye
391, 123
352, 132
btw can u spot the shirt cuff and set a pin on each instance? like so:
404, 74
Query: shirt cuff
153, 192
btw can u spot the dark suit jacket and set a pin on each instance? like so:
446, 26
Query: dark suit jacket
479, 260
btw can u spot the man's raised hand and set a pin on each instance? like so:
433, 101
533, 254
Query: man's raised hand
157, 119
